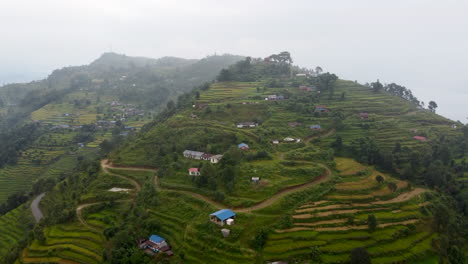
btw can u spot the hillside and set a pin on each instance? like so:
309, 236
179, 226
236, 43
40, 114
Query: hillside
48, 127
114, 87
288, 170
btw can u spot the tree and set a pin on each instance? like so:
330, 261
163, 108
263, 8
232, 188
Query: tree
379, 178
224, 76
377, 86
318, 70
392, 186
315, 254
371, 222
432, 106
360, 256
260, 239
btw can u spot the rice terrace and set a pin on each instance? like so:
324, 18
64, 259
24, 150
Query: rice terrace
260, 161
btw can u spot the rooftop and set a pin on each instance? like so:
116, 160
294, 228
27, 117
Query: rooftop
156, 238
223, 214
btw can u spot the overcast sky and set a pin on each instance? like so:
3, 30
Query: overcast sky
421, 44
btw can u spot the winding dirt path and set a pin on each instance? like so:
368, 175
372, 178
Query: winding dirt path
79, 214
105, 167
265, 203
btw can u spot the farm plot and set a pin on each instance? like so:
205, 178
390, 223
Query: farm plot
339, 224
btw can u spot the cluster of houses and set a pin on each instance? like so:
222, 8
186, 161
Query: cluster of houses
198, 155
154, 245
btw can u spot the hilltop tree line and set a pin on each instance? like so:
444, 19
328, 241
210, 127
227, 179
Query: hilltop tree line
249, 69
402, 92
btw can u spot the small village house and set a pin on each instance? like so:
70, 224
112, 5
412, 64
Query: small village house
321, 109
294, 124
225, 232
289, 139
216, 158
206, 156
420, 138
275, 141
194, 171
315, 127
274, 97
247, 125
155, 244
364, 115
243, 146
222, 217
255, 179
301, 75
305, 88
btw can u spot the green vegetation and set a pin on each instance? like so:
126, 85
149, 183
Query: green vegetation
297, 193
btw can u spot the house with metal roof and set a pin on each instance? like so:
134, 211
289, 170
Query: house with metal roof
321, 109
216, 158
315, 127
193, 154
194, 171
243, 146
156, 239
223, 216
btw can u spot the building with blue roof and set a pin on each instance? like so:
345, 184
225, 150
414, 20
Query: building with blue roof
223, 216
243, 146
156, 239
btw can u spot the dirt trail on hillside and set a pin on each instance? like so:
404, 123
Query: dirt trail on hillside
79, 214
400, 198
258, 206
105, 166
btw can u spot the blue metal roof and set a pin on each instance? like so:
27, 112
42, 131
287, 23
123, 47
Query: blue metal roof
241, 145
224, 214
156, 239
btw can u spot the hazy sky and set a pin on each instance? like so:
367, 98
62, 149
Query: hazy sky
421, 44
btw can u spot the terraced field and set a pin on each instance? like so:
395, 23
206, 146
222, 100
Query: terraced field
14, 227
390, 118
71, 243
187, 229
338, 223
229, 90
